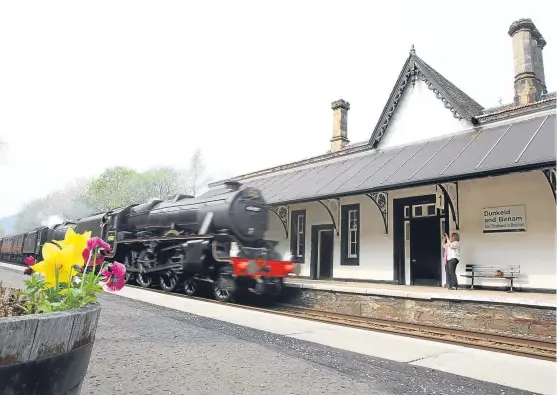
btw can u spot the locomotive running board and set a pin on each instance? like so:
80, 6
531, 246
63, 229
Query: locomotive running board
160, 238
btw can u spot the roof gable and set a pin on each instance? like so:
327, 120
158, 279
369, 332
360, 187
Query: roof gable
459, 103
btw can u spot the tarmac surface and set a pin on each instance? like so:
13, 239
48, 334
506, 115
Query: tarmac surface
142, 348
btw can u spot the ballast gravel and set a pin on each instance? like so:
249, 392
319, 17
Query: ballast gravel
147, 349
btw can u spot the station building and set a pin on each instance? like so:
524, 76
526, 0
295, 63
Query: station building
437, 162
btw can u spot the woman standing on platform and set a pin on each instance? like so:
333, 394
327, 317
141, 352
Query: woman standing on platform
452, 256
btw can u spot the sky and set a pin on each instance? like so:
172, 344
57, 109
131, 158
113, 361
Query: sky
89, 85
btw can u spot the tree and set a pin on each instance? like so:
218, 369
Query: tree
196, 178
158, 183
114, 188
120, 186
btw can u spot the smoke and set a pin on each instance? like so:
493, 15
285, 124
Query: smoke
52, 220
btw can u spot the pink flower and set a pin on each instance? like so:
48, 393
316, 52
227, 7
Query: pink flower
93, 243
87, 253
97, 242
115, 276
29, 261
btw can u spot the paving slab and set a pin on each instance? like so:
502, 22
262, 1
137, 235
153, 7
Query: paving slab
519, 372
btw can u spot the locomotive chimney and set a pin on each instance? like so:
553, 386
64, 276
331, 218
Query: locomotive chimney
529, 75
340, 119
232, 185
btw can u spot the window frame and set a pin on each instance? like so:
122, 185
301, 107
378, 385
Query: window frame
298, 239
346, 235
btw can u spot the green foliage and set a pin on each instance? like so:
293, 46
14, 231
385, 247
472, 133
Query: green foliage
81, 291
157, 183
114, 188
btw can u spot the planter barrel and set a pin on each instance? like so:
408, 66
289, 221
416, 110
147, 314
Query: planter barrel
47, 354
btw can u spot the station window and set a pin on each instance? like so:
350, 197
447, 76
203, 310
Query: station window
350, 235
424, 210
298, 234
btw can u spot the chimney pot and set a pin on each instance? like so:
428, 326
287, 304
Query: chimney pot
529, 75
340, 104
340, 119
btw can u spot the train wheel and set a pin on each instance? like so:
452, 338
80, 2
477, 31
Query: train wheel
224, 288
168, 281
190, 287
144, 280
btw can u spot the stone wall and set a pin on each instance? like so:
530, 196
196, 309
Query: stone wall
515, 320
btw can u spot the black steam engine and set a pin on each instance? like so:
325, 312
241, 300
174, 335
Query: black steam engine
179, 242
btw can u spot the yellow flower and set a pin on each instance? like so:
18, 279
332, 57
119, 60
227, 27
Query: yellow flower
79, 243
54, 258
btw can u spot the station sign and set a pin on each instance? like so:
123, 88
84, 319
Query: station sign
504, 219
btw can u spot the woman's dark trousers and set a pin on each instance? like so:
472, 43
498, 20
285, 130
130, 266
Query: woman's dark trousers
451, 273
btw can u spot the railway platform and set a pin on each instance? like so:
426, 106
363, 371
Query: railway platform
513, 313
142, 332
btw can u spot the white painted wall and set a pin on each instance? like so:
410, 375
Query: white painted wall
412, 120
376, 248
534, 249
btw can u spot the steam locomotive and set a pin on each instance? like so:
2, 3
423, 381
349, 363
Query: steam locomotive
182, 241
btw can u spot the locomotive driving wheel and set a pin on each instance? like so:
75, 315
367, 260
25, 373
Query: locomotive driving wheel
168, 280
190, 286
224, 288
146, 261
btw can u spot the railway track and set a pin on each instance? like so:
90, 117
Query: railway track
525, 347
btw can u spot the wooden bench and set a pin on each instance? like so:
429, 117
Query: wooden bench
504, 272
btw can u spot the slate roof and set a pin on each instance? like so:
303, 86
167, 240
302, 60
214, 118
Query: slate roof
486, 151
459, 103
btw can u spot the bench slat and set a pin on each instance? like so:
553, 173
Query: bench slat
483, 276
500, 267
509, 272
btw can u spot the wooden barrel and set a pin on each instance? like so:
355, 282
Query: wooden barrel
47, 354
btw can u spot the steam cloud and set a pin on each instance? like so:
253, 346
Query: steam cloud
52, 220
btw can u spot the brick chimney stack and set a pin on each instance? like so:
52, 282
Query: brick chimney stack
529, 75
340, 119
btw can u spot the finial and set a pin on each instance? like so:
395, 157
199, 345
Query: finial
412, 50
